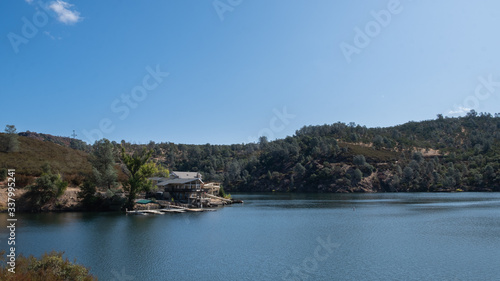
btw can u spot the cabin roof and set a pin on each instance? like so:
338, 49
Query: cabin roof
185, 175
178, 181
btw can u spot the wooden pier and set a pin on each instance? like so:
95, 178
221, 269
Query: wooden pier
145, 212
173, 209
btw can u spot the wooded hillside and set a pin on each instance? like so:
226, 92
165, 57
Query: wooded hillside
445, 154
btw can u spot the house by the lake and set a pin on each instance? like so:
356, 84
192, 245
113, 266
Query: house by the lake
184, 186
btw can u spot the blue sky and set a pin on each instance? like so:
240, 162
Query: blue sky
227, 71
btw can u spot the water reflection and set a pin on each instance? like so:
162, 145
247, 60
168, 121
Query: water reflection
417, 236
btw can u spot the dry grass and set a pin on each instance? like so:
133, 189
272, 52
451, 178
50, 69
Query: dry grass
35, 153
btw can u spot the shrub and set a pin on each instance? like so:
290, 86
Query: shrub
88, 195
48, 186
50, 266
3, 174
223, 194
359, 160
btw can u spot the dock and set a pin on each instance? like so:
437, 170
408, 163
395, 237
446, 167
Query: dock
175, 209
172, 210
145, 212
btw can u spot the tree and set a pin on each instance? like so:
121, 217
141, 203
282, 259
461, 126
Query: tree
103, 164
359, 160
223, 194
162, 172
417, 156
472, 113
407, 174
263, 140
394, 183
299, 170
48, 186
489, 174
358, 175
139, 169
87, 193
233, 170
10, 142
10, 129
3, 174
378, 142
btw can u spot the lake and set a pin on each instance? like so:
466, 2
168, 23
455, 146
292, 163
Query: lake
410, 236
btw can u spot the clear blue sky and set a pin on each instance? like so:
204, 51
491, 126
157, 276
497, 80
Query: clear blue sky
240, 68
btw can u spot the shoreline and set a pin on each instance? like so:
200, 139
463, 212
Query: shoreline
73, 204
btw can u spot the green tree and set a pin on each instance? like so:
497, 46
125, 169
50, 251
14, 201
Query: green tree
223, 194
162, 172
10, 129
139, 169
9, 142
299, 170
394, 183
103, 164
358, 175
378, 142
47, 187
407, 174
359, 160
233, 170
88, 194
489, 174
3, 174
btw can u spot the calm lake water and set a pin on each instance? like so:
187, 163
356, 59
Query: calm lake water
416, 236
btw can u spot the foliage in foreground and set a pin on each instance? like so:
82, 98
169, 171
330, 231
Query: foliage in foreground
50, 266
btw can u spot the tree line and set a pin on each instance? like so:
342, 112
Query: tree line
444, 154
434, 155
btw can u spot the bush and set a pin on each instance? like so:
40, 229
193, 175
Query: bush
3, 174
88, 195
223, 194
47, 187
50, 266
359, 160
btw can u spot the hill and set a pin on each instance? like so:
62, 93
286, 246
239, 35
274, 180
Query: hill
445, 154
63, 141
34, 153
